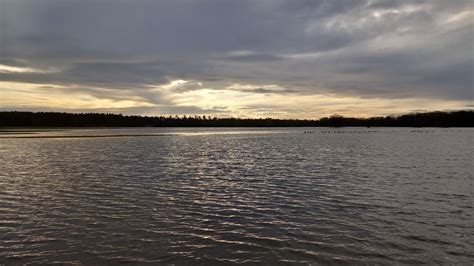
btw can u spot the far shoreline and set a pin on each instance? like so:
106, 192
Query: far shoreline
58, 121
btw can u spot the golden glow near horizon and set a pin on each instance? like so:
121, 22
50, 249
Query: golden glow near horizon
238, 100
243, 103
16, 94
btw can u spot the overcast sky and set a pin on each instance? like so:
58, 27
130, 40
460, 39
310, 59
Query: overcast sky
269, 58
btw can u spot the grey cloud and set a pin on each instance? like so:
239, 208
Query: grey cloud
252, 58
121, 73
386, 4
130, 45
98, 74
13, 62
270, 90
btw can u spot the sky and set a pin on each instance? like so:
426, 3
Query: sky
267, 58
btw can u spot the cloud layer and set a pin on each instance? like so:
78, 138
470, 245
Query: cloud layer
291, 58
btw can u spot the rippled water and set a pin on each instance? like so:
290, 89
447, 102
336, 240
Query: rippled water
237, 196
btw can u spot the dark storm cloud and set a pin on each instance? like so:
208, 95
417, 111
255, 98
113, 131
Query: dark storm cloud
367, 48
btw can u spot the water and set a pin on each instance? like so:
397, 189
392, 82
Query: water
237, 196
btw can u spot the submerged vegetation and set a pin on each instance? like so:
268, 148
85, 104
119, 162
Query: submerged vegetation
56, 119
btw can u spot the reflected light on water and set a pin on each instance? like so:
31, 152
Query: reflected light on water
377, 196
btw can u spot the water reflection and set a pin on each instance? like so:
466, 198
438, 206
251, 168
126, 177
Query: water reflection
212, 196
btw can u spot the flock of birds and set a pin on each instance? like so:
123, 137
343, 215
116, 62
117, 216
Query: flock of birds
375, 131
339, 131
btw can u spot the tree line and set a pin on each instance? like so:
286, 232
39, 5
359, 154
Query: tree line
57, 119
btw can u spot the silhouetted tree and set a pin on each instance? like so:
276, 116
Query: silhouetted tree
55, 119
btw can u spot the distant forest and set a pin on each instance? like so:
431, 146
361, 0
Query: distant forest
56, 119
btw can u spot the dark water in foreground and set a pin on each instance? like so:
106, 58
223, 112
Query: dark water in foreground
238, 196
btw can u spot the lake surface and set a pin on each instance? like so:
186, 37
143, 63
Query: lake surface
230, 195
